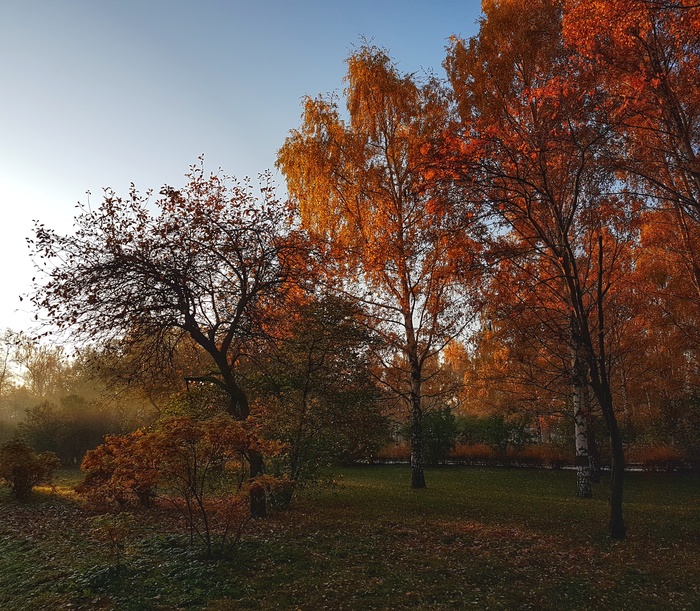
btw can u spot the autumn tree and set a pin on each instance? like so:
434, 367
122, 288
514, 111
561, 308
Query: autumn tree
8, 378
43, 366
313, 379
199, 262
8, 346
647, 55
360, 184
529, 146
661, 376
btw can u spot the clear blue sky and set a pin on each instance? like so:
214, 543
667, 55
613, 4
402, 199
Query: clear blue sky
97, 93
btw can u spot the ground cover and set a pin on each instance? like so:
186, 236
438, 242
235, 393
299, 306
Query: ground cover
476, 538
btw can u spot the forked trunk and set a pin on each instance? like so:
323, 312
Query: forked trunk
616, 527
601, 384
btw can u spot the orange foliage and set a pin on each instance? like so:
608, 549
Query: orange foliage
658, 458
146, 464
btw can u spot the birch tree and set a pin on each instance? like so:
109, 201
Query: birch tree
361, 186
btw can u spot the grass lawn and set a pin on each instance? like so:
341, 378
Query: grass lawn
476, 538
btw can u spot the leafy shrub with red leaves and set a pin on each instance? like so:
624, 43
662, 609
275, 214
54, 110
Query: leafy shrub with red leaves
196, 466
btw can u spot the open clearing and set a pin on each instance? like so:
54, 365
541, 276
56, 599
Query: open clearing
476, 538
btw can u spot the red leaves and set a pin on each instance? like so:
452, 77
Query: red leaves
145, 464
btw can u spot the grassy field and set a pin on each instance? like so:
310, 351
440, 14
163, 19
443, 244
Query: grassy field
476, 538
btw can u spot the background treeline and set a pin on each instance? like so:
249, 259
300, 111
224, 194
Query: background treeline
61, 404
68, 405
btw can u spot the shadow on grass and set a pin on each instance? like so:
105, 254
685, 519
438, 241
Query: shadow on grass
475, 538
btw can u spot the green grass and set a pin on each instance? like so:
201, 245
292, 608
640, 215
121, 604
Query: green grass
476, 538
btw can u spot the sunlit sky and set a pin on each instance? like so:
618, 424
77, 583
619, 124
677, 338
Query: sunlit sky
97, 93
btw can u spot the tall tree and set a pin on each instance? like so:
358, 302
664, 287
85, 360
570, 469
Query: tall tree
44, 366
316, 389
200, 262
361, 186
647, 54
8, 349
529, 144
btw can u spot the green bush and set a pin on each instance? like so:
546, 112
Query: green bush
69, 428
21, 468
440, 432
506, 435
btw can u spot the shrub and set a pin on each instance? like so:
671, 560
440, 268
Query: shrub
69, 428
545, 455
506, 435
198, 467
476, 453
396, 451
121, 469
21, 468
440, 433
657, 458
114, 531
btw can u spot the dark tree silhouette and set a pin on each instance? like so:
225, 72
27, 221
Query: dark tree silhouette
203, 262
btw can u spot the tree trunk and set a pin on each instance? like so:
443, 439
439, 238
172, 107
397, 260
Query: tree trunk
616, 528
240, 410
593, 456
593, 449
601, 385
258, 505
417, 474
584, 488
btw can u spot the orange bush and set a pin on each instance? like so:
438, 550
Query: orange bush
546, 455
122, 467
476, 452
657, 458
396, 451
196, 466
536, 455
